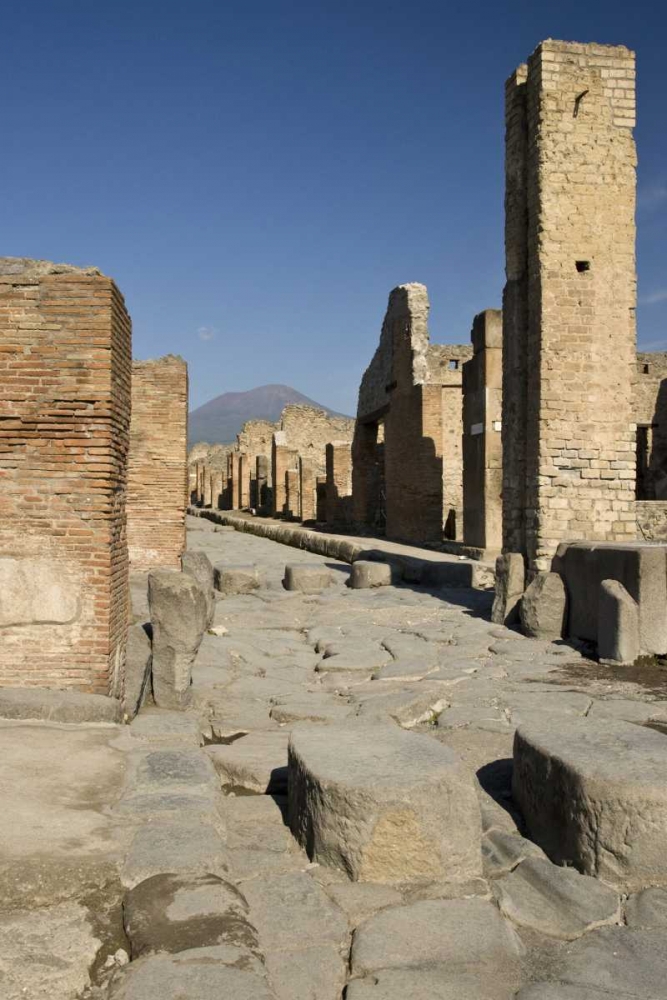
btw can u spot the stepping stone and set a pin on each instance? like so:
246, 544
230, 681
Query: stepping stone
458, 934
556, 901
257, 762
199, 974
594, 794
502, 852
383, 804
307, 578
366, 574
647, 909
58, 706
232, 580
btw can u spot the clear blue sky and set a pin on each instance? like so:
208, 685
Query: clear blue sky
257, 176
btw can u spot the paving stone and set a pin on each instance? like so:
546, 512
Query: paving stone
198, 974
366, 574
257, 762
525, 706
406, 645
184, 846
316, 973
307, 578
561, 991
291, 912
492, 720
314, 709
51, 705
433, 982
459, 934
175, 913
621, 961
382, 804
594, 794
406, 670
558, 902
502, 852
543, 607
199, 567
639, 712
647, 909
179, 617
138, 658
159, 726
409, 707
234, 580
359, 900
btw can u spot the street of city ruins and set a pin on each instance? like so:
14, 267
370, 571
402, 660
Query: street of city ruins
349, 709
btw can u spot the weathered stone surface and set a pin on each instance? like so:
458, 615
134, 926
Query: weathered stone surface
199, 567
318, 972
231, 580
594, 794
366, 574
157, 726
198, 974
382, 804
257, 762
291, 912
407, 669
502, 852
308, 578
179, 615
46, 952
461, 935
359, 900
556, 901
138, 659
174, 913
431, 982
185, 845
57, 706
618, 624
510, 585
647, 909
618, 961
544, 607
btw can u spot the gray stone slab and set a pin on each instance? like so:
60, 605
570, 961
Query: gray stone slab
359, 900
383, 804
160, 726
502, 852
307, 578
413, 669
198, 974
558, 902
233, 580
622, 961
188, 845
366, 574
594, 794
318, 973
619, 639
257, 762
647, 909
433, 982
543, 608
51, 705
292, 912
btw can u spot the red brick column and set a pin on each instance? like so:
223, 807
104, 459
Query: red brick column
65, 367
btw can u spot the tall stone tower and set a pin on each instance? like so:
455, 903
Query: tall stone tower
569, 302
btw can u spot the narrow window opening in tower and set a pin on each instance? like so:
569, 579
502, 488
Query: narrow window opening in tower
583, 265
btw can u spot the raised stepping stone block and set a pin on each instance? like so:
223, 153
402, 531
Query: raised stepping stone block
367, 574
230, 580
558, 902
58, 706
594, 794
382, 804
179, 617
307, 578
543, 608
618, 624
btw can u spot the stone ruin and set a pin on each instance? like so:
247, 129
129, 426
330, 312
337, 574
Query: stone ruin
316, 798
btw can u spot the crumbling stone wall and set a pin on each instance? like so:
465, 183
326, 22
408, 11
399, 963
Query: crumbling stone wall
482, 446
650, 412
338, 484
413, 389
568, 309
65, 367
157, 465
308, 430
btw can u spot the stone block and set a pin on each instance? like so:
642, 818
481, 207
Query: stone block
189, 846
543, 608
618, 624
641, 568
308, 578
178, 614
510, 585
257, 762
57, 706
199, 974
594, 795
138, 659
199, 567
366, 574
382, 804
231, 580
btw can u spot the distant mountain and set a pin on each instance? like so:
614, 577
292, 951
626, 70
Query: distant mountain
221, 419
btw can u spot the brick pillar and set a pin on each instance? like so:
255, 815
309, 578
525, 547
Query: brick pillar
218, 482
365, 474
292, 501
157, 466
569, 307
282, 459
321, 499
207, 486
339, 483
65, 368
306, 490
234, 480
244, 481
482, 446
263, 470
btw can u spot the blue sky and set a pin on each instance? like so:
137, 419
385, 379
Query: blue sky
258, 176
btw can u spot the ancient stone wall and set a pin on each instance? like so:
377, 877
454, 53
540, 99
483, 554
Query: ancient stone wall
650, 413
338, 484
65, 367
482, 446
308, 430
413, 389
568, 309
157, 464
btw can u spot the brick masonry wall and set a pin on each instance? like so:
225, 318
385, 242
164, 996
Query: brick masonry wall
569, 305
65, 367
157, 466
307, 491
650, 411
339, 483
